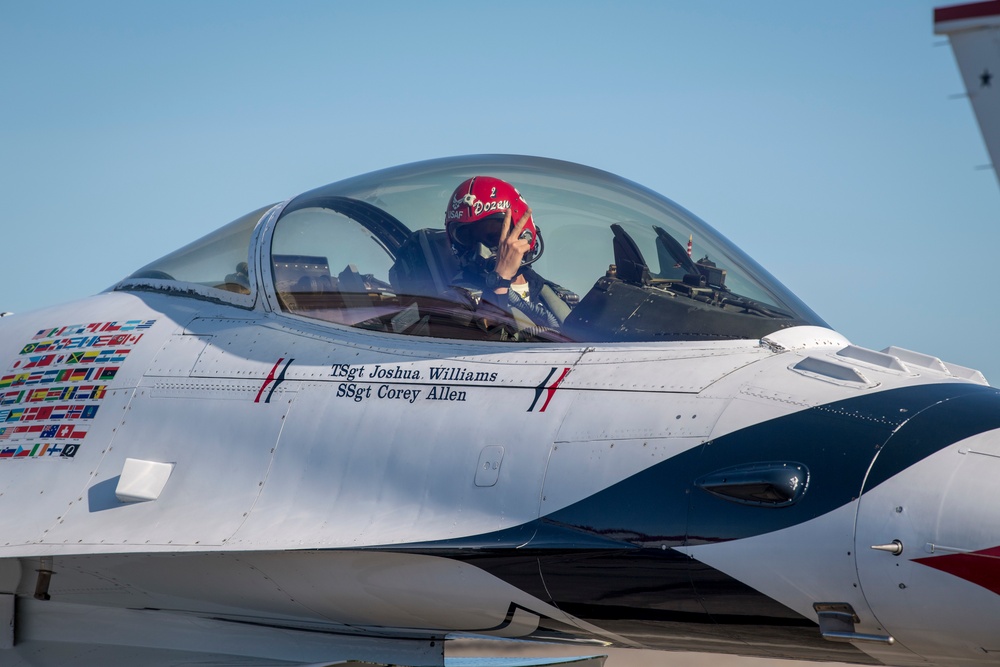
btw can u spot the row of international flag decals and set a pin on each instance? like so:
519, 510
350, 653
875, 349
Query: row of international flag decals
52, 390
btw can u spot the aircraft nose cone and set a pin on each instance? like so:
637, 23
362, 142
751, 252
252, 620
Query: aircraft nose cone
933, 494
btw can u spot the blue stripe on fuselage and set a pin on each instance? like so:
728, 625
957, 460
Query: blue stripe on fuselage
661, 506
837, 442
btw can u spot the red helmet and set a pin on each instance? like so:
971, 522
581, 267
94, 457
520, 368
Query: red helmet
476, 211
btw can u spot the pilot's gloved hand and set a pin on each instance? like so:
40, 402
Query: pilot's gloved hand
512, 247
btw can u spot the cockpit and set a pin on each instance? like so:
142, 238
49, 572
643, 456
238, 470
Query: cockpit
372, 253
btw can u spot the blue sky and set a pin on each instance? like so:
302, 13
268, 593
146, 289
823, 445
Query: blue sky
818, 136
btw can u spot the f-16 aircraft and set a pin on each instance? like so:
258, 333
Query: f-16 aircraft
342, 427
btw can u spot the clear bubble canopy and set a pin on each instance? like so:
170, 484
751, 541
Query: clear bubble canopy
372, 252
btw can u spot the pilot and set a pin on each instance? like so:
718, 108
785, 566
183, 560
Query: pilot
495, 239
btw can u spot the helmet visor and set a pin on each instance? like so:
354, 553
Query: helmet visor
485, 231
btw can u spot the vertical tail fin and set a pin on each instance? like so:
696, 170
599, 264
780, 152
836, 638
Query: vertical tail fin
974, 32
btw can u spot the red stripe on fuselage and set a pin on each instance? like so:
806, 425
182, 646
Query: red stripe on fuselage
980, 567
268, 380
552, 389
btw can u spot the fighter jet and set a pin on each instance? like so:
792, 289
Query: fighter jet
329, 431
